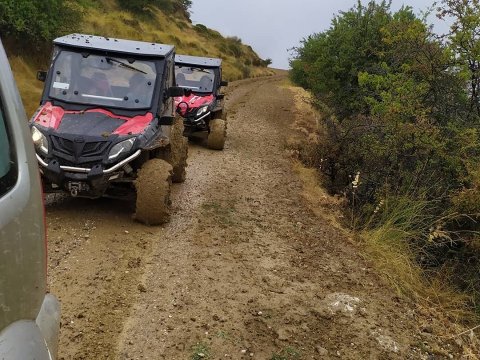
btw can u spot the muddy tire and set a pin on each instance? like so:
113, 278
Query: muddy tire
153, 184
178, 153
217, 135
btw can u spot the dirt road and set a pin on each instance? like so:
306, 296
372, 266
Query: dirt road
245, 270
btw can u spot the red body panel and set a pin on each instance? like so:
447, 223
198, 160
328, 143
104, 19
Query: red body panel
51, 116
134, 125
193, 101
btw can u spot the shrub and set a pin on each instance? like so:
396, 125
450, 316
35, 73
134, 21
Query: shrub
33, 23
400, 115
168, 6
402, 120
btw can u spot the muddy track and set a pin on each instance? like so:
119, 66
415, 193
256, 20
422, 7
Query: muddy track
243, 270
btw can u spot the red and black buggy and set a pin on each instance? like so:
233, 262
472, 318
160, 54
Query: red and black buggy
106, 124
203, 106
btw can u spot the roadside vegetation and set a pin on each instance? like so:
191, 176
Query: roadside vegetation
29, 26
399, 139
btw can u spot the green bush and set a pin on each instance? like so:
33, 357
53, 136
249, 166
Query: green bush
234, 46
168, 6
328, 63
402, 120
135, 5
32, 23
400, 110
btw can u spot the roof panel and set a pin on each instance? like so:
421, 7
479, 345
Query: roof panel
114, 45
197, 60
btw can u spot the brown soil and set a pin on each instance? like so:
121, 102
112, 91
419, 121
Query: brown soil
245, 269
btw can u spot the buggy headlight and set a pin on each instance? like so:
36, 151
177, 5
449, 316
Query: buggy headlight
120, 148
39, 140
202, 110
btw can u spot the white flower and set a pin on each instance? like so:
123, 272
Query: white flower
356, 181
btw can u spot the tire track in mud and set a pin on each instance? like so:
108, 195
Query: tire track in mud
200, 268
96, 255
97, 258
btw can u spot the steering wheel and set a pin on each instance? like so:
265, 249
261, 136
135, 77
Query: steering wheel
183, 108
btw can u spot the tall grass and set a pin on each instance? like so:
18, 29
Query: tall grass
395, 240
25, 76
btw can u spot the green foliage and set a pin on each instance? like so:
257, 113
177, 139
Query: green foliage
201, 28
403, 115
399, 108
168, 6
328, 63
134, 5
208, 33
34, 23
200, 351
233, 46
465, 42
288, 353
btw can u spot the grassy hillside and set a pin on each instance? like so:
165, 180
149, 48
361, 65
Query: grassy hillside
108, 18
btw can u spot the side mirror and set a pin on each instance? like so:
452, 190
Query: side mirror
223, 83
220, 96
41, 76
175, 91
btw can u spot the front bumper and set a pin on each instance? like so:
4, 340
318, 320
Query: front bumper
193, 124
89, 170
81, 181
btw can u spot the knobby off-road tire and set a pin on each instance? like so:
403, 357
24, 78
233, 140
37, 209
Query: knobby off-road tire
217, 135
153, 192
178, 153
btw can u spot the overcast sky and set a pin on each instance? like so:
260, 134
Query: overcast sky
272, 27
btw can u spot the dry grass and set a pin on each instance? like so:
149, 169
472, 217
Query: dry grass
302, 143
161, 28
388, 249
317, 198
30, 88
304, 138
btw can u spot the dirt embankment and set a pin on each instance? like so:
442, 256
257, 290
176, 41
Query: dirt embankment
245, 269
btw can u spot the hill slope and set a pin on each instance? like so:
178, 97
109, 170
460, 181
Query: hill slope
108, 18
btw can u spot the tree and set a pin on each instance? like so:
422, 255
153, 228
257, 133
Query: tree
397, 101
464, 38
186, 4
32, 22
328, 62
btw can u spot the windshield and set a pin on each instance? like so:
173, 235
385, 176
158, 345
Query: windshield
197, 79
103, 80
